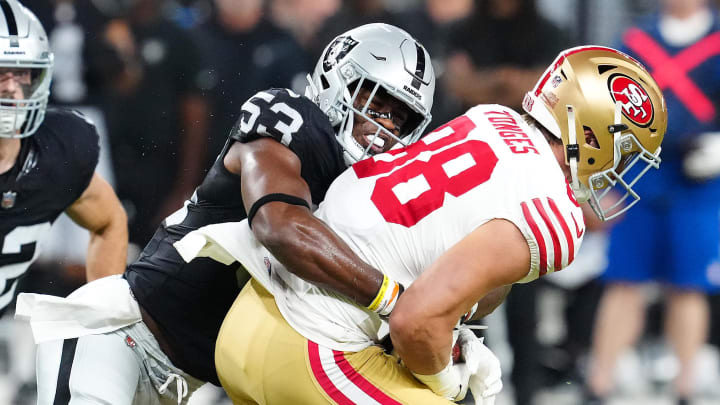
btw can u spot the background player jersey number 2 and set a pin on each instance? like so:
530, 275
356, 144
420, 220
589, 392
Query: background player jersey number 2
441, 162
19, 250
286, 129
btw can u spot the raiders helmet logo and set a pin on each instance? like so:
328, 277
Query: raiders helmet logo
636, 104
337, 51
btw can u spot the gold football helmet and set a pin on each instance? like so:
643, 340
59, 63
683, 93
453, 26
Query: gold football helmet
611, 117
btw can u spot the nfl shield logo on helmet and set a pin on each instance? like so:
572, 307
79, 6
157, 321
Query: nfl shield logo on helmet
556, 81
8, 199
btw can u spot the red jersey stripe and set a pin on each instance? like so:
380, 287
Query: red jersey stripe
557, 249
566, 231
538, 237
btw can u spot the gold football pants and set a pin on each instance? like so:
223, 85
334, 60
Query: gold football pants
260, 359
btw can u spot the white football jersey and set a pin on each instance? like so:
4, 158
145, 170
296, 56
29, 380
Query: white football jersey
399, 211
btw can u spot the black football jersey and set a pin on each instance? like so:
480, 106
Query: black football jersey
53, 169
188, 301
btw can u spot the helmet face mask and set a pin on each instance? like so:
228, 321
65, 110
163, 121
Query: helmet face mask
359, 109
386, 61
24, 49
611, 190
613, 100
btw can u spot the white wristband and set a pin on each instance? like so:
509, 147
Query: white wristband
447, 382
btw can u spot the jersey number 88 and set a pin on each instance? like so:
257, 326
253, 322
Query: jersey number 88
418, 188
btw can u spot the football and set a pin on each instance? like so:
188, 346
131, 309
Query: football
456, 353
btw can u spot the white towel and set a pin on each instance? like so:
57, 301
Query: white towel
226, 243
100, 306
211, 241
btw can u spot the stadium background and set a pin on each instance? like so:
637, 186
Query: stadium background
164, 81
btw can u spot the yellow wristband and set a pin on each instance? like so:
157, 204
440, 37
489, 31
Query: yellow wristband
387, 297
379, 297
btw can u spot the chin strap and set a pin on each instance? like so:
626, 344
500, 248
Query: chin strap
344, 136
572, 151
311, 90
616, 130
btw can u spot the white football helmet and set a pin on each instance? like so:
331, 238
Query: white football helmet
379, 57
611, 117
24, 45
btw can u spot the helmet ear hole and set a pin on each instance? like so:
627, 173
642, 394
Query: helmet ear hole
590, 138
324, 82
591, 161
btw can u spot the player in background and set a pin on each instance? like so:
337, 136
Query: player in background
678, 252
47, 161
489, 199
48, 158
371, 89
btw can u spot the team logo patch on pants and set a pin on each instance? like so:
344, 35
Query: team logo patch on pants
130, 342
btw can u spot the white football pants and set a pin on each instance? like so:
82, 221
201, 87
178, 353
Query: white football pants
123, 367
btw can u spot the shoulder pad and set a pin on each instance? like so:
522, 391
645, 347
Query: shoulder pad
282, 115
75, 143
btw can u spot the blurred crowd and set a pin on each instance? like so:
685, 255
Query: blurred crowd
164, 81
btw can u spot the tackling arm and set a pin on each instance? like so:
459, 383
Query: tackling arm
303, 243
99, 211
490, 301
494, 255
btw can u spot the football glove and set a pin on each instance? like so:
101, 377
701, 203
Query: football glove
485, 379
450, 383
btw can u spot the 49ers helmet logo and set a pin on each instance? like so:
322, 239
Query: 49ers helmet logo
636, 104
